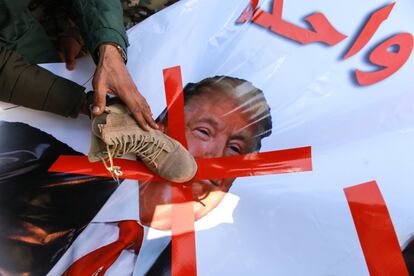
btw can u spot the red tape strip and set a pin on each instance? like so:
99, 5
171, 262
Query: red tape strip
183, 248
262, 163
375, 230
175, 104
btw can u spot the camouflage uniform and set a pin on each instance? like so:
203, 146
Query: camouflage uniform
137, 10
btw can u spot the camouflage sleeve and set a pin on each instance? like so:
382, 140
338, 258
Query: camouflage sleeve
31, 86
136, 11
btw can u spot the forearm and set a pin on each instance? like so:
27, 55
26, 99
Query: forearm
100, 22
31, 86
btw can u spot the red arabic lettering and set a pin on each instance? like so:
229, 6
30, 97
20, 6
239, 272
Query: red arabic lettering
382, 56
374, 21
248, 12
323, 31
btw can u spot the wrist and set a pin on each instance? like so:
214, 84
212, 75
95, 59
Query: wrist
111, 51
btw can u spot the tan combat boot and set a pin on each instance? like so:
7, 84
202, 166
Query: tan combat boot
115, 133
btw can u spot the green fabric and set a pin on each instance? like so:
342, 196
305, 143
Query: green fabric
99, 21
19, 31
31, 86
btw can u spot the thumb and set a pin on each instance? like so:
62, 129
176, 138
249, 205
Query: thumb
99, 102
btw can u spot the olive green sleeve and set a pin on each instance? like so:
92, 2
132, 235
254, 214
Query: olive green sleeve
100, 21
31, 86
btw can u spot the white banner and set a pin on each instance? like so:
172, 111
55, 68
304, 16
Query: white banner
297, 223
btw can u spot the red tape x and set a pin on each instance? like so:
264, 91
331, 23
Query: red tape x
183, 237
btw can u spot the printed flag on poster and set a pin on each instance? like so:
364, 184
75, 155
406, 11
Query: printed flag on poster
299, 116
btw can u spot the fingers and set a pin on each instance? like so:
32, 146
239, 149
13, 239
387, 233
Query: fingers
70, 62
134, 106
141, 121
141, 111
99, 101
112, 73
150, 120
68, 49
69, 58
71, 53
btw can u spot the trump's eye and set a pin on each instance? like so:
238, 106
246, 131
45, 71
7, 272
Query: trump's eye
235, 148
202, 132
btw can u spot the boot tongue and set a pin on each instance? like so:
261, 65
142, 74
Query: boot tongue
117, 109
99, 120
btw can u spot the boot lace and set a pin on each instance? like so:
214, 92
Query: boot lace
147, 148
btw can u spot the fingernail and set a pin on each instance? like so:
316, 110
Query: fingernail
95, 109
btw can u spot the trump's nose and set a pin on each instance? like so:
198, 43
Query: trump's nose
215, 150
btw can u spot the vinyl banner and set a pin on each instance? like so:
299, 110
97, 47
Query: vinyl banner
300, 115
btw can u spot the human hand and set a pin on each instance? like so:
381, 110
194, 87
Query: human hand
111, 76
68, 49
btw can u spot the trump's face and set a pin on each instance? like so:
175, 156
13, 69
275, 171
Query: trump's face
215, 126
